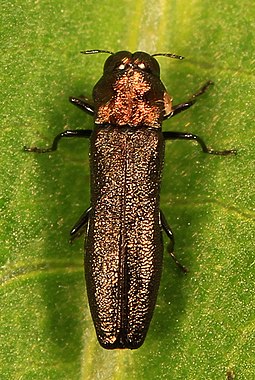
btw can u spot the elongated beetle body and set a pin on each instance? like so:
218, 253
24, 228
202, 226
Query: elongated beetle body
124, 248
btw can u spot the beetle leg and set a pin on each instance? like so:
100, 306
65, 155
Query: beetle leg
189, 136
83, 103
80, 226
170, 234
69, 133
185, 105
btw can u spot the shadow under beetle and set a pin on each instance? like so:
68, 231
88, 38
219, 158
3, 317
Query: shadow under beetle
124, 247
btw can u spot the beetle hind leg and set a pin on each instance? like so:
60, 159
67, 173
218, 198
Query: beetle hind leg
81, 226
170, 235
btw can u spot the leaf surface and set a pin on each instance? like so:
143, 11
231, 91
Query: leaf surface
203, 325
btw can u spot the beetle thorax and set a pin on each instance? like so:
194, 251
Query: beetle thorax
132, 102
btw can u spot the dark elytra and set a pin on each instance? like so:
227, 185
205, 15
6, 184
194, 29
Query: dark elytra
124, 248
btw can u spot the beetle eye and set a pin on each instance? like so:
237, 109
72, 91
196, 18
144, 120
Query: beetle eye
141, 65
145, 67
122, 66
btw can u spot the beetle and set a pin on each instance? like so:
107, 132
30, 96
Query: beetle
124, 223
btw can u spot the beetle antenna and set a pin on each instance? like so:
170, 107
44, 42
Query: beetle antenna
96, 51
168, 55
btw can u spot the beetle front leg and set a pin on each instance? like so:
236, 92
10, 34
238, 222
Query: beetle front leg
86, 133
190, 136
170, 234
185, 105
83, 103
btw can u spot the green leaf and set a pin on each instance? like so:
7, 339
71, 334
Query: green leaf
203, 325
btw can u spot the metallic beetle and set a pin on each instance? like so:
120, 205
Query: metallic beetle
124, 247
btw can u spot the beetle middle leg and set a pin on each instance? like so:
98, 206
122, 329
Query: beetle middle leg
170, 135
170, 234
69, 133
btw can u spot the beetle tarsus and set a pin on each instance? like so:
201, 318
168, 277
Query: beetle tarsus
185, 105
177, 262
35, 149
222, 152
203, 89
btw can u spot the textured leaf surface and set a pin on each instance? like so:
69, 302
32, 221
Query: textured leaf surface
203, 324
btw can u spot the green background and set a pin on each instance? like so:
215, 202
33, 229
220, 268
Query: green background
203, 325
